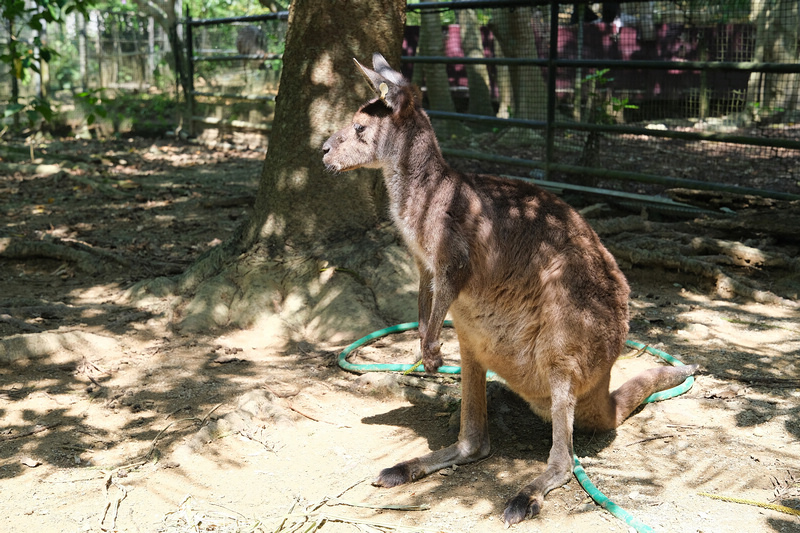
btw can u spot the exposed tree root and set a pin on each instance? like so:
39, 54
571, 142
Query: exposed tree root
725, 283
86, 258
19, 324
679, 246
30, 168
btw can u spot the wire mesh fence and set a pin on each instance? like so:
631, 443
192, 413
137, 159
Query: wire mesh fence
239, 56
234, 67
109, 50
679, 93
637, 95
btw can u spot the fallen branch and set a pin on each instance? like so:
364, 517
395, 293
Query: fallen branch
741, 255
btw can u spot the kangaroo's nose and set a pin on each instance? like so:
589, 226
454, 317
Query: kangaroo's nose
326, 147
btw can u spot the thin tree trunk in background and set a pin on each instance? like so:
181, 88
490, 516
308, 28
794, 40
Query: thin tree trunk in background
437, 84
514, 31
82, 50
12, 50
480, 96
504, 90
151, 49
777, 25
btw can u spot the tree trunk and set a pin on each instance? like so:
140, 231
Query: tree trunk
514, 31
437, 82
505, 93
777, 25
310, 261
480, 96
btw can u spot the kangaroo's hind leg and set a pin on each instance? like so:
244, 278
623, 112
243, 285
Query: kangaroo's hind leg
473, 438
529, 501
601, 410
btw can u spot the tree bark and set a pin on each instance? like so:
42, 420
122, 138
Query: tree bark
310, 262
320, 89
480, 97
777, 25
514, 31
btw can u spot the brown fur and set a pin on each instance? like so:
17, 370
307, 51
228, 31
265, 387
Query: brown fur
533, 293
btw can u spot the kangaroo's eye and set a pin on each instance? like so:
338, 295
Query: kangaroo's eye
358, 127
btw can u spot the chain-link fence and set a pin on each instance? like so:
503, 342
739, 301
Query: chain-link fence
235, 65
124, 50
693, 93
104, 50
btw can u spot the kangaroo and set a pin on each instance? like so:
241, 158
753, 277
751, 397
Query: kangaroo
533, 294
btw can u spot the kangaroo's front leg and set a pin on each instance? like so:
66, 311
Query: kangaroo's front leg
473, 438
436, 292
424, 298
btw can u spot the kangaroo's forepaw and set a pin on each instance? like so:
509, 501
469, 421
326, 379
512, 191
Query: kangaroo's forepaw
432, 357
519, 508
394, 476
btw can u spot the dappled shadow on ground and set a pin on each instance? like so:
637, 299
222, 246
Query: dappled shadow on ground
75, 353
107, 390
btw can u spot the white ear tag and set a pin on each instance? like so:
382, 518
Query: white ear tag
384, 90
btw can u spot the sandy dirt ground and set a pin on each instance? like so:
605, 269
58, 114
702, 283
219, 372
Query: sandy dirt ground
112, 420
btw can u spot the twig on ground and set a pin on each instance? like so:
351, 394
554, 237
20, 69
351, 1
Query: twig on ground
33, 431
288, 405
116, 503
389, 507
648, 439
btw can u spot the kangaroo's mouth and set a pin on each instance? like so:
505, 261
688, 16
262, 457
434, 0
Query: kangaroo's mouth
336, 168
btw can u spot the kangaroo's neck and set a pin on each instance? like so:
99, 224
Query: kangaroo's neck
417, 178
415, 161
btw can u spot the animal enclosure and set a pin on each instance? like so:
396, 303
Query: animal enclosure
627, 100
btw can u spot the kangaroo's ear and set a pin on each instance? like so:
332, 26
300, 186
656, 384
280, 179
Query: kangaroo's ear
383, 68
372, 77
387, 82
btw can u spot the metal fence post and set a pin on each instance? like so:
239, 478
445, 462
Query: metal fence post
190, 68
552, 56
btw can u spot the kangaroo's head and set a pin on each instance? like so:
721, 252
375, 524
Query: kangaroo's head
372, 138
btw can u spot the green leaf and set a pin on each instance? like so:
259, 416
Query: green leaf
12, 109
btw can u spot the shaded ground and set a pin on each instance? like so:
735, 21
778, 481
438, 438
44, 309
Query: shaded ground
112, 420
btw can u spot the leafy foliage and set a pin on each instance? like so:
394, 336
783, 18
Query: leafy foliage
25, 57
